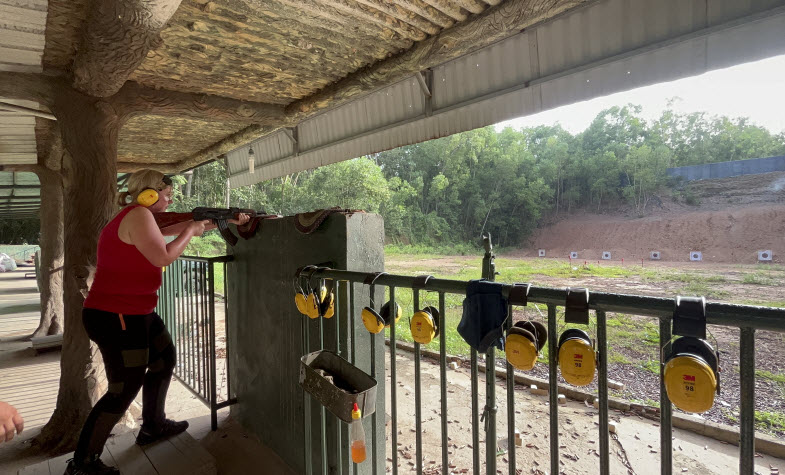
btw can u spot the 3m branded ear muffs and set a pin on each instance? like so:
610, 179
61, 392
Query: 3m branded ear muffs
577, 359
523, 344
425, 325
691, 374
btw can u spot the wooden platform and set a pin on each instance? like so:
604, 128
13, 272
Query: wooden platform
179, 455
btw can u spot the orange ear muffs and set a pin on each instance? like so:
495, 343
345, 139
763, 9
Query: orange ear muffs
523, 344
577, 359
425, 325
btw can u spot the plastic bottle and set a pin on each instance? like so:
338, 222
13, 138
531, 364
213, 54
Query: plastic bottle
357, 436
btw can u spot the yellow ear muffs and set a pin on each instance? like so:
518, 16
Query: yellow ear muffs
300, 302
385, 314
691, 374
373, 322
327, 303
147, 197
576, 357
312, 305
425, 325
300, 295
523, 344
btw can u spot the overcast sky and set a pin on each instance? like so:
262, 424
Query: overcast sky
755, 90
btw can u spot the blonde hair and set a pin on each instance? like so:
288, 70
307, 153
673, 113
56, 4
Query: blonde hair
140, 181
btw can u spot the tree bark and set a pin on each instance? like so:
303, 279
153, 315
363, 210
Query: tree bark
118, 36
51, 261
89, 130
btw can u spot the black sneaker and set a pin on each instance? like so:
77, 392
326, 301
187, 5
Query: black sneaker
93, 467
165, 430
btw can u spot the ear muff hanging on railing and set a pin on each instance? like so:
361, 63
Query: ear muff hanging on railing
690, 364
373, 320
327, 299
523, 344
425, 325
300, 294
576, 356
577, 359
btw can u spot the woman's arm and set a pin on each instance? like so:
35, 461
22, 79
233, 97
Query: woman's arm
145, 235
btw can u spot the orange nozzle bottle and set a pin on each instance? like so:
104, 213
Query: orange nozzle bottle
357, 435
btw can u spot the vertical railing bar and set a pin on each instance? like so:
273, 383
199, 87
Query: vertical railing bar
213, 389
226, 334
374, 441
443, 379
747, 411
393, 387
187, 336
553, 393
602, 382
201, 297
417, 395
352, 343
206, 324
322, 413
190, 324
666, 443
475, 415
179, 318
490, 410
307, 420
510, 405
337, 317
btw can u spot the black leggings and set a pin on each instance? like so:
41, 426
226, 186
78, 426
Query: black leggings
137, 352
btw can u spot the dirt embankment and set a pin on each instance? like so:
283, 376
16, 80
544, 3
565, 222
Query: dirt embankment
736, 218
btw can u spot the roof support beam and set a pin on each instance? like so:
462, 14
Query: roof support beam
134, 99
26, 110
116, 40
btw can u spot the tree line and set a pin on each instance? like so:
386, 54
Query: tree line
451, 190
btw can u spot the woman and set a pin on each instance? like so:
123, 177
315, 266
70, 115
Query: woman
119, 317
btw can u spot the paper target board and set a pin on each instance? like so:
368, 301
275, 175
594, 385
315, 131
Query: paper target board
696, 256
541, 253
573, 255
765, 255
655, 255
606, 255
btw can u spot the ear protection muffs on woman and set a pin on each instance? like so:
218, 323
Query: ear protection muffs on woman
150, 196
691, 374
577, 358
523, 344
425, 325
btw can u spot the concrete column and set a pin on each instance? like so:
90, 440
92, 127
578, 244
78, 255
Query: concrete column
266, 337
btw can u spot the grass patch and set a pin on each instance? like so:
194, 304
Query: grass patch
777, 378
618, 358
758, 279
701, 288
651, 366
460, 249
770, 420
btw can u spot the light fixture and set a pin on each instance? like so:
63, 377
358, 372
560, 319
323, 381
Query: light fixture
250, 160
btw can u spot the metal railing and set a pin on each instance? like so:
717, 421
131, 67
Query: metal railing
187, 306
747, 318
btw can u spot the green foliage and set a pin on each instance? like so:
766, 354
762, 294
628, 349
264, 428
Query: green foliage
19, 231
758, 279
446, 192
770, 420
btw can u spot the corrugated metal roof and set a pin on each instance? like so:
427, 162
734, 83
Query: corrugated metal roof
605, 47
20, 194
22, 25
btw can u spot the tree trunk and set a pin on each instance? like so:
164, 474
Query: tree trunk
89, 129
51, 262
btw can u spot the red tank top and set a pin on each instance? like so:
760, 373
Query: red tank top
125, 281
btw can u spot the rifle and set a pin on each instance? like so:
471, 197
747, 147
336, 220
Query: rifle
219, 216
